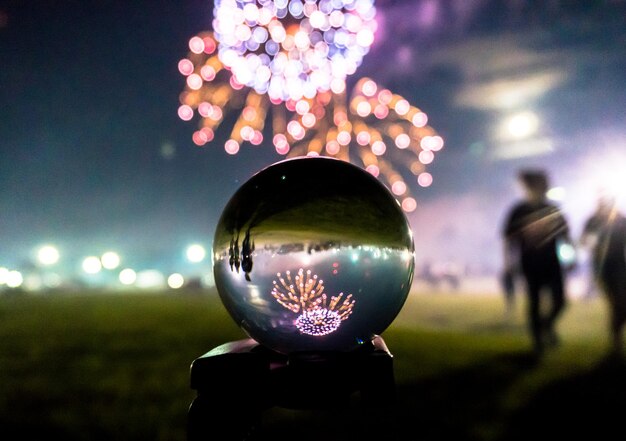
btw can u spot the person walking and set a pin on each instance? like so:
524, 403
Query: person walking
604, 233
532, 231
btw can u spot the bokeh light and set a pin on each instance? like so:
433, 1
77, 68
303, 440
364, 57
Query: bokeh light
92, 265
110, 260
288, 49
390, 142
566, 253
14, 279
195, 253
127, 276
409, 204
48, 255
175, 281
520, 125
425, 179
556, 194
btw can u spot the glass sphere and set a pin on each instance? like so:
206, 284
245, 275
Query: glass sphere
313, 254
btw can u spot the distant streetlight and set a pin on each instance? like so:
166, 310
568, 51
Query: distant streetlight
110, 260
14, 279
92, 265
48, 255
175, 281
195, 253
127, 276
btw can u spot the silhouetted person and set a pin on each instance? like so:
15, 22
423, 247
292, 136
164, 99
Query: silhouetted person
236, 258
428, 275
532, 231
247, 248
231, 253
605, 233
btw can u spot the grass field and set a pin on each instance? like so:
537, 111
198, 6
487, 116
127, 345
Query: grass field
116, 367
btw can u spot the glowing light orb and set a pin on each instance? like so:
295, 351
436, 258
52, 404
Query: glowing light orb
175, 281
48, 255
195, 253
297, 255
127, 276
556, 194
289, 49
566, 253
520, 125
92, 265
14, 279
110, 260
425, 179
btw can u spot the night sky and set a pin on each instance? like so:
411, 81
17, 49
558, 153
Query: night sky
93, 155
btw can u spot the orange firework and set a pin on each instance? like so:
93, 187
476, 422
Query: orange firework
371, 126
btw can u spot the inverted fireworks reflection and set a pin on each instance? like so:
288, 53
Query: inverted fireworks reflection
304, 295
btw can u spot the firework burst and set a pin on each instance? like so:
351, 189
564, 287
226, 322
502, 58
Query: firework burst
288, 60
212, 91
304, 295
291, 49
371, 126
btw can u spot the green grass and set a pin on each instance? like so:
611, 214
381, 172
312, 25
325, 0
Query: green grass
116, 367
104, 366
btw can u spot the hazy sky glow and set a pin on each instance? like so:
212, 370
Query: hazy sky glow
93, 156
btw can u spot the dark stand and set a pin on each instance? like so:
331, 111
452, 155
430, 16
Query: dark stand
238, 381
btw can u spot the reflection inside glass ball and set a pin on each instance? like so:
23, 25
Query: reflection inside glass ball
319, 321
306, 296
313, 254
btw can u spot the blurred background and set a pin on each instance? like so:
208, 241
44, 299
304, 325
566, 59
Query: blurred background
95, 159
103, 191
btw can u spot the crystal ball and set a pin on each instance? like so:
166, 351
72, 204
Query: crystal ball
313, 254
